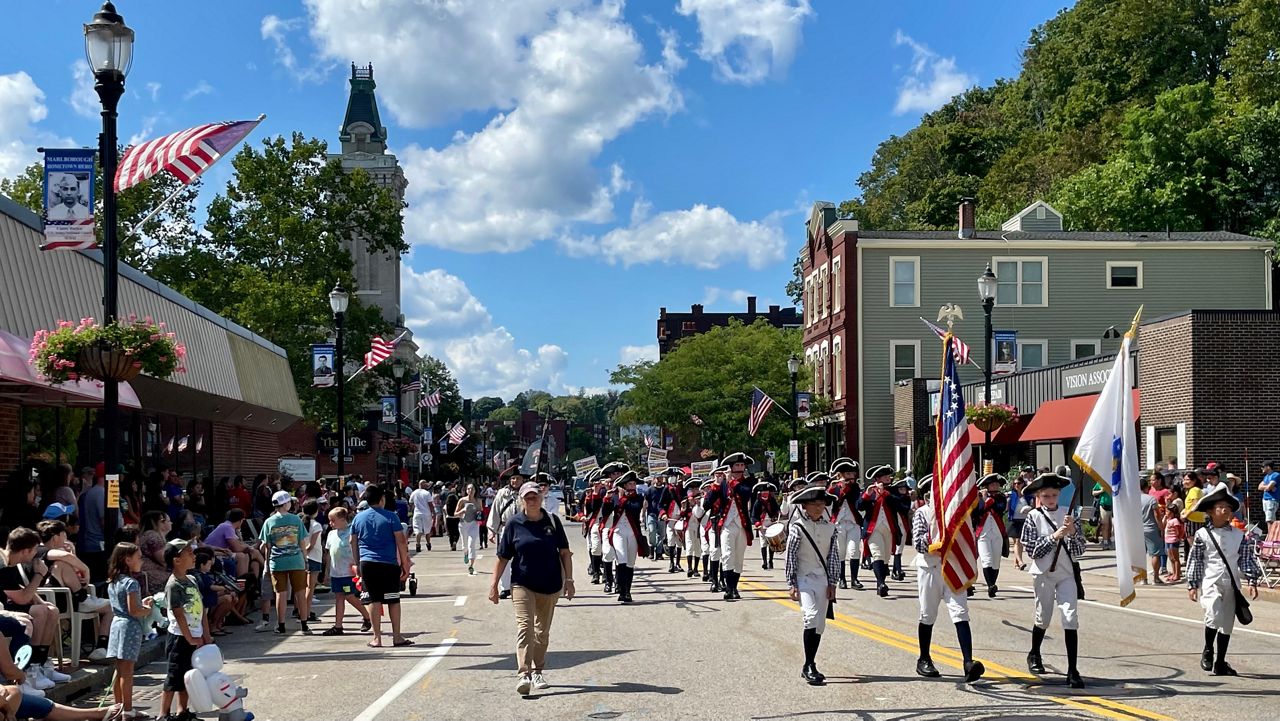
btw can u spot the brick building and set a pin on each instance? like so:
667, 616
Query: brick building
674, 326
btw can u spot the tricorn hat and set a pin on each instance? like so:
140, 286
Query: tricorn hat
765, 486
797, 483
817, 477
1219, 492
843, 463
1045, 480
614, 467
813, 493
692, 483
738, 457
992, 478
878, 471
624, 479
900, 483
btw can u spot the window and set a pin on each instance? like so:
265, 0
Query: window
904, 282
837, 363
824, 291
1033, 354
826, 371
1083, 349
1124, 274
1166, 443
904, 358
689, 326
837, 287
808, 300
1023, 281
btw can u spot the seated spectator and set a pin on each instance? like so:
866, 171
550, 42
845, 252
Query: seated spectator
20, 579
16, 703
155, 528
220, 598
224, 540
68, 571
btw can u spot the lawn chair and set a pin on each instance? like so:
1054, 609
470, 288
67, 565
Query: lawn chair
1268, 553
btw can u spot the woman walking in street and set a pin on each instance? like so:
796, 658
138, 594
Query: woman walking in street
534, 544
469, 514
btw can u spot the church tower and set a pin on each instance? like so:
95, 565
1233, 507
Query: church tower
364, 146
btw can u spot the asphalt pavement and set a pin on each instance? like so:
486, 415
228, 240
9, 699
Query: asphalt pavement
680, 652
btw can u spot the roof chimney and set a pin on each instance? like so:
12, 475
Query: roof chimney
696, 308
751, 305
967, 208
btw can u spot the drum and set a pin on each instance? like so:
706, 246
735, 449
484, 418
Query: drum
681, 525
776, 536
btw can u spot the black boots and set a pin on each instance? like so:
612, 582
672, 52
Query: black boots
1206, 656
731, 585
706, 568
1217, 665
764, 557
853, 572
973, 670
671, 564
810, 671
693, 566
897, 574
771, 554
594, 569
608, 577
990, 575
880, 568
1072, 638
625, 574
1034, 662
924, 664
714, 573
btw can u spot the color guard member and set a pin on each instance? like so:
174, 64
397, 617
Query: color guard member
732, 499
932, 589
626, 535
608, 504
1052, 539
812, 564
1221, 558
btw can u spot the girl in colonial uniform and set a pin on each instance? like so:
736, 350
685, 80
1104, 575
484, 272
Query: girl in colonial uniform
1220, 559
692, 516
1052, 539
764, 513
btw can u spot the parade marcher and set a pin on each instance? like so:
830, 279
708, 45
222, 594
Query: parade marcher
932, 589
670, 516
731, 499
765, 512
710, 534
625, 534
901, 488
988, 526
608, 496
1052, 539
506, 504
811, 566
692, 516
590, 505
847, 517
882, 510
787, 508
1220, 560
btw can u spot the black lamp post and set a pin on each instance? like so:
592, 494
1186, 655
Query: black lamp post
338, 299
793, 367
108, 46
987, 286
397, 371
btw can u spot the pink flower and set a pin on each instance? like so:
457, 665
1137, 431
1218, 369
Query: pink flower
136, 364
133, 317
156, 337
164, 359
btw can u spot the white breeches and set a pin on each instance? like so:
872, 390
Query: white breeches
594, 542
1056, 589
880, 543
990, 544
813, 601
1219, 604
733, 548
693, 539
849, 541
609, 556
933, 590
624, 544
711, 543
674, 539
470, 532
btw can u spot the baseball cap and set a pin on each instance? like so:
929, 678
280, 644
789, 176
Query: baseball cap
279, 498
173, 549
530, 487
58, 510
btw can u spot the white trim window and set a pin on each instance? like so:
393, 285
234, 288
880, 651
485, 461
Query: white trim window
1032, 354
1023, 281
904, 281
824, 290
837, 286
1084, 348
904, 360
837, 368
808, 300
824, 360
1124, 275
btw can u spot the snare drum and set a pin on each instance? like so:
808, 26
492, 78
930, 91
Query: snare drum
776, 536
681, 525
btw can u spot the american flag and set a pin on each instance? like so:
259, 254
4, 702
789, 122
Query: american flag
430, 401
414, 385
379, 351
955, 485
961, 348
696, 420
648, 441
457, 433
760, 406
186, 154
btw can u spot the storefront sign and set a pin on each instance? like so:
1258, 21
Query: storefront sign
322, 373
1006, 342
359, 442
299, 469
1089, 379
113, 490
997, 393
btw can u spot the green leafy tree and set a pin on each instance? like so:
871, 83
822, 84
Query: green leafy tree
485, 405
505, 414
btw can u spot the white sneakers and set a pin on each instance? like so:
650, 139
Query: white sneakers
93, 604
98, 655
51, 672
263, 627
524, 684
37, 680
539, 682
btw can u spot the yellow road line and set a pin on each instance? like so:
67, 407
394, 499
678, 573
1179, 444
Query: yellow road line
948, 657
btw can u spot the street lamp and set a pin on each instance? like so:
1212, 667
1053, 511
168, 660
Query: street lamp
338, 300
397, 370
108, 46
793, 367
987, 286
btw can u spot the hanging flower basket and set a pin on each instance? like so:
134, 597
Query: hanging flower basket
990, 418
399, 446
117, 351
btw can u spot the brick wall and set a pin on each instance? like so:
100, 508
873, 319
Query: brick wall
243, 450
1165, 378
10, 438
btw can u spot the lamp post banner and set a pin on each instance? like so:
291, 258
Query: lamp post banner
802, 404
322, 367
68, 199
389, 404
1006, 344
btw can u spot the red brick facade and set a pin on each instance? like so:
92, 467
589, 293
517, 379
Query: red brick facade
10, 437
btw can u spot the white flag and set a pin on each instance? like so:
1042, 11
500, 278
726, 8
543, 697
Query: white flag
1108, 453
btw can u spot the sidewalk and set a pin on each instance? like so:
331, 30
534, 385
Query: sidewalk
93, 677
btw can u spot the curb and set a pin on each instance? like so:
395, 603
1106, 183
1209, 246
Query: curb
95, 677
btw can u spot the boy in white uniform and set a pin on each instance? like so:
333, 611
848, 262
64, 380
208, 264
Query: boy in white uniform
1052, 538
848, 520
693, 525
933, 590
1220, 557
812, 567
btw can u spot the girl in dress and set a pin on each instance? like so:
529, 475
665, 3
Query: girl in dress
128, 608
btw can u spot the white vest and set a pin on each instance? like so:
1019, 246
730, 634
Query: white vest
1040, 566
807, 561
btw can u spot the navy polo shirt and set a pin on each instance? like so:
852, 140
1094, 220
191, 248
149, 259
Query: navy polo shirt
533, 548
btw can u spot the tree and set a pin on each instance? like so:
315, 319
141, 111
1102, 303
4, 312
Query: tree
505, 414
795, 286
485, 405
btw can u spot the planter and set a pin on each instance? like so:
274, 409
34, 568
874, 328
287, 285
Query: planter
107, 363
987, 424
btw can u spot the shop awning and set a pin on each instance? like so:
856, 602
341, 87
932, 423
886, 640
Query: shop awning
1004, 434
19, 383
1063, 419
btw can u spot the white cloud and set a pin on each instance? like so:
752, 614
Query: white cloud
146, 132
276, 30
736, 298
702, 237
201, 88
83, 98
451, 324
636, 353
932, 80
748, 41
154, 89
21, 109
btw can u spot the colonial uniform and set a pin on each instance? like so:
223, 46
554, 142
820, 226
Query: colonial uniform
812, 565
506, 504
1220, 559
1052, 575
691, 514
902, 489
988, 526
674, 538
933, 590
711, 536
591, 501
733, 500
882, 511
847, 518
606, 517
625, 536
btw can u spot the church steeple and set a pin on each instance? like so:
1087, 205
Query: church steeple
362, 130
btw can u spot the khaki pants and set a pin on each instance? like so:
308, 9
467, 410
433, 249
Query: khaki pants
533, 627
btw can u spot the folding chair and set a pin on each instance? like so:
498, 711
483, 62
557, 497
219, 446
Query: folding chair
75, 619
1268, 553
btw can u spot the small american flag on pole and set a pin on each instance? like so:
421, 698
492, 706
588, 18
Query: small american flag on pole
414, 385
457, 433
430, 401
379, 351
760, 407
955, 485
186, 154
961, 348
648, 441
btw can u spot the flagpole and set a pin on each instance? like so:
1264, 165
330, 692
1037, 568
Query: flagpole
362, 368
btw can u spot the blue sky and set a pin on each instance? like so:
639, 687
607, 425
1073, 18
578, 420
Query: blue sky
573, 164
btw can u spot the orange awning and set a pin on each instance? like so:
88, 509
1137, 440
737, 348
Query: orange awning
1003, 434
1063, 419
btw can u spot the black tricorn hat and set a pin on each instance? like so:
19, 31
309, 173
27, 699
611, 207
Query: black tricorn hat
813, 493
738, 457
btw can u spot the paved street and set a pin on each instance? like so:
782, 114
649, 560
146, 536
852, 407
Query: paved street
681, 652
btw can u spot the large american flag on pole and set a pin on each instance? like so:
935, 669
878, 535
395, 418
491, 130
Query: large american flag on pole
955, 484
962, 348
379, 351
457, 433
186, 154
760, 406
